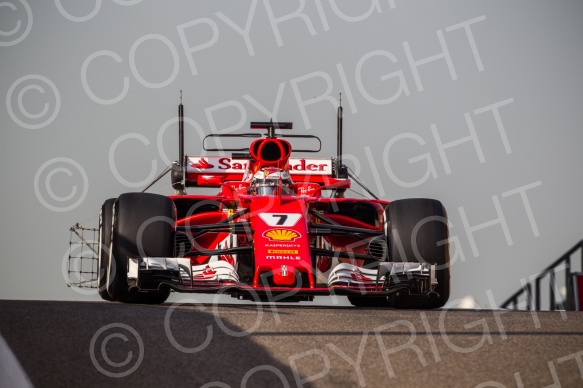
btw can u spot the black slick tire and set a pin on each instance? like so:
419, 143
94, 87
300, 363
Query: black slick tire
104, 244
418, 232
142, 226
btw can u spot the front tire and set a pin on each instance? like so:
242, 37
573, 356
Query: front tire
104, 244
418, 232
142, 226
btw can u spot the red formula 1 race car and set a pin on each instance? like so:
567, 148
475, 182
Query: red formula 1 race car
270, 233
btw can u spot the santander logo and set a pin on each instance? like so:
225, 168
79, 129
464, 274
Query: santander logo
202, 164
223, 164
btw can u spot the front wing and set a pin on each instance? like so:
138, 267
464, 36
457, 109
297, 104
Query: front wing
220, 276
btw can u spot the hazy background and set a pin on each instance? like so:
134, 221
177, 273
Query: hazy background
91, 91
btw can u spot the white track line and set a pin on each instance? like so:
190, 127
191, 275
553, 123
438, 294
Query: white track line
11, 372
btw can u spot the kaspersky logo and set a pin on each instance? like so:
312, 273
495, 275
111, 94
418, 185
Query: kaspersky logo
281, 235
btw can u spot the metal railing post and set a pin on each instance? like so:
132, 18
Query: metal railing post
537, 293
552, 301
551, 272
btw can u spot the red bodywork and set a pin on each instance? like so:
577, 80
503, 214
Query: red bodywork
284, 232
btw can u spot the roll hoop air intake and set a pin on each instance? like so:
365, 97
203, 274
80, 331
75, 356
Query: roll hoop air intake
271, 152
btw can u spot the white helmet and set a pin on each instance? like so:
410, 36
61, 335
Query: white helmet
266, 182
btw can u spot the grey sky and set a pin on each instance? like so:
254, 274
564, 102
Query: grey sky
477, 104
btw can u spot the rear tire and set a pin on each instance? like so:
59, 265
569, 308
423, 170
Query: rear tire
130, 239
415, 227
104, 244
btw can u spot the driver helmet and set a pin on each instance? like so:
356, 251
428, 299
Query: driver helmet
266, 182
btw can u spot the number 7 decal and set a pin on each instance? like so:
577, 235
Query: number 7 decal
280, 219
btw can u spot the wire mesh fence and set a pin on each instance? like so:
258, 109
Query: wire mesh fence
83, 262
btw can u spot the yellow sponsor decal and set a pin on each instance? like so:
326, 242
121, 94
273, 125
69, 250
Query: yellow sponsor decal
281, 234
282, 251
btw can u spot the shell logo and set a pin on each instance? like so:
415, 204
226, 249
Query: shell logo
281, 235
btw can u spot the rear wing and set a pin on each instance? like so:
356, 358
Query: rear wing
214, 170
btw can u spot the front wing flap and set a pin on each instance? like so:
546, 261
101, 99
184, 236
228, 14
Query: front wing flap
149, 273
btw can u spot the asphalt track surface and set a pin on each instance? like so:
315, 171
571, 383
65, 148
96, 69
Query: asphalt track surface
80, 344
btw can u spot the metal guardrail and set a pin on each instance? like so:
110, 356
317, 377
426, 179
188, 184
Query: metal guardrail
564, 263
